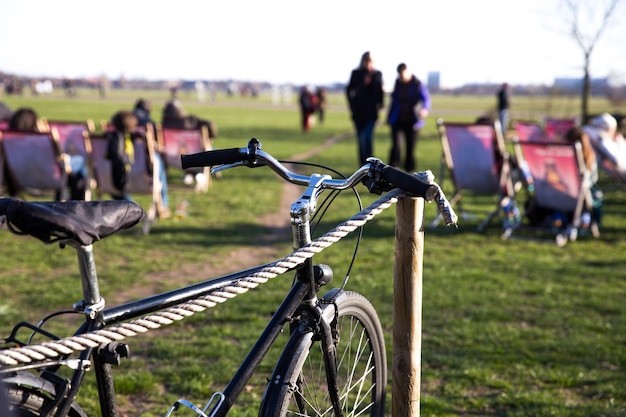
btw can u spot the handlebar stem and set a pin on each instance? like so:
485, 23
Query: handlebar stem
303, 210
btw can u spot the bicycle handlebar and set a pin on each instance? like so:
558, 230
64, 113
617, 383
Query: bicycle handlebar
378, 175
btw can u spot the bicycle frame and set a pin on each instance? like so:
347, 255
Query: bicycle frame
301, 299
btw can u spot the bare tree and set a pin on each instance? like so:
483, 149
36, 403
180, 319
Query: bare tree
587, 36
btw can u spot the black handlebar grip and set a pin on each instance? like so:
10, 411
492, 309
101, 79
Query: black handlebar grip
212, 158
409, 183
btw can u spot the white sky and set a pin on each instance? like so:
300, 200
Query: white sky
313, 42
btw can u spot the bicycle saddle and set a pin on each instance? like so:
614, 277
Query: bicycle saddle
82, 221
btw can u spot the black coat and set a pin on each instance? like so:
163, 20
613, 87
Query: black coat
365, 95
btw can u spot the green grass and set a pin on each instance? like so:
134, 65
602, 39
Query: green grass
510, 328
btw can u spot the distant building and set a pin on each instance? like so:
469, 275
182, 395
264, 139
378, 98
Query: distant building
434, 81
599, 86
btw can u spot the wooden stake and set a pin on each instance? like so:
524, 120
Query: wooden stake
407, 311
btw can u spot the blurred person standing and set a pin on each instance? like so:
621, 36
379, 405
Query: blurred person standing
410, 105
308, 106
321, 103
365, 98
504, 105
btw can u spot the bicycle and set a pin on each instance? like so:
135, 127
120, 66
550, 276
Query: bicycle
336, 339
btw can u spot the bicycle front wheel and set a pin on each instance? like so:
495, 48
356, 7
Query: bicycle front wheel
299, 385
27, 395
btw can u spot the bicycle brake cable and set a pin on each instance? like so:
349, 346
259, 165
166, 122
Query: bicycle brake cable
325, 205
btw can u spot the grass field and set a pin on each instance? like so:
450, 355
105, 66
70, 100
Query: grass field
510, 328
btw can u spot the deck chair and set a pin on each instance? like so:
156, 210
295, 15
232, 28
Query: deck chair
4, 125
73, 141
555, 128
141, 179
476, 161
33, 163
72, 135
561, 184
174, 142
526, 130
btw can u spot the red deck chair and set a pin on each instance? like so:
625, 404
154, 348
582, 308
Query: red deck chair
561, 182
175, 142
33, 163
528, 131
476, 160
141, 179
555, 128
72, 135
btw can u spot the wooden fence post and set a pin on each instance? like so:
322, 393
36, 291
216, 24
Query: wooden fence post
407, 310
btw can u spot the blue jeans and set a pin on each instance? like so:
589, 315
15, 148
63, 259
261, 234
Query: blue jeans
504, 120
365, 138
162, 174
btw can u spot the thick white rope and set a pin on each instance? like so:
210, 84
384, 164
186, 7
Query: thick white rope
54, 349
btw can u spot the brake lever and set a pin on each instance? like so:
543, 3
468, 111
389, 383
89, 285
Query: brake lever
224, 167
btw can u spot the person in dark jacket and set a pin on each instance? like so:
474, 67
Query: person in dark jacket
365, 98
409, 94
503, 107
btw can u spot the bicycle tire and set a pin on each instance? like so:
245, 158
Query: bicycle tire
296, 387
33, 399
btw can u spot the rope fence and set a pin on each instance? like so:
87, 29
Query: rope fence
53, 349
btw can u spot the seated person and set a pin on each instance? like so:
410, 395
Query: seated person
25, 119
608, 142
142, 111
121, 153
176, 117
